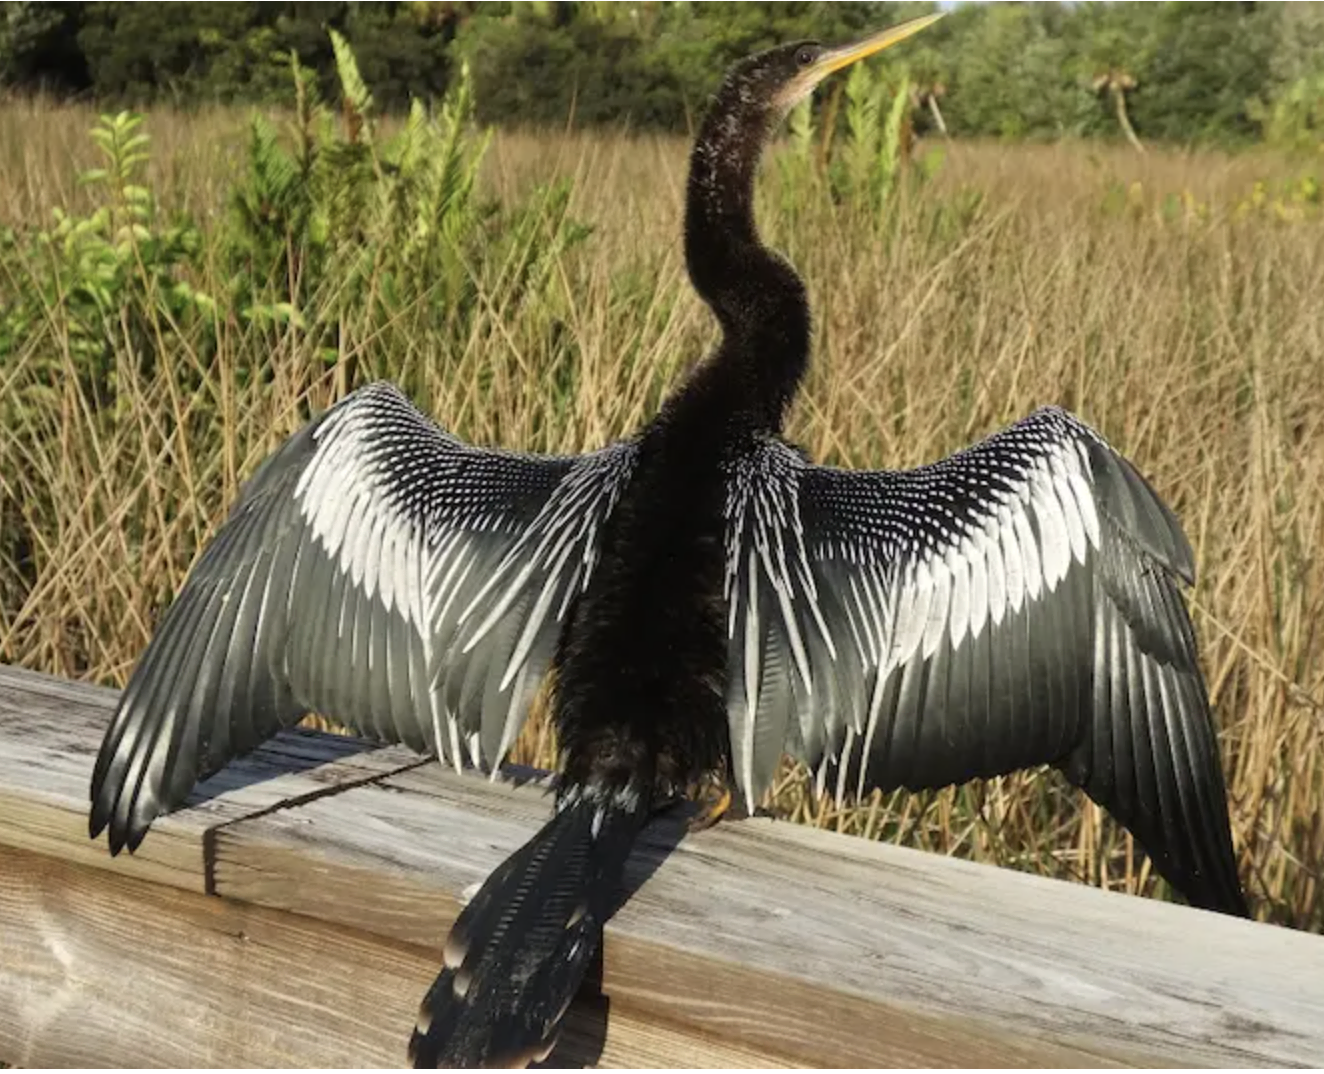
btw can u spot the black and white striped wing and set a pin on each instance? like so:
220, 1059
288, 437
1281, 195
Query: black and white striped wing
1015, 604
377, 571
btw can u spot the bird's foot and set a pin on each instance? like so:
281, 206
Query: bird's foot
712, 795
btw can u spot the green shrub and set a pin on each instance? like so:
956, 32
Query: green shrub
343, 255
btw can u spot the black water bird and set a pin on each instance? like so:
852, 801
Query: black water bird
709, 600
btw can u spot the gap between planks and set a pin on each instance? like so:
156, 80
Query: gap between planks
773, 939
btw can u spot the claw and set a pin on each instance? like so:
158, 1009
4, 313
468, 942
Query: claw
714, 800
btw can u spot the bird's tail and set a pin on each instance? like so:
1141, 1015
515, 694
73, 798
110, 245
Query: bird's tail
518, 952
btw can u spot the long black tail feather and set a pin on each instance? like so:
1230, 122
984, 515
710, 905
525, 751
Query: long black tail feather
519, 951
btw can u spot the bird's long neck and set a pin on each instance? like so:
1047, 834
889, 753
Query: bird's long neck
756, 295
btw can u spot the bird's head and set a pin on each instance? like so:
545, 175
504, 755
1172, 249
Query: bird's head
771, 83
748, 287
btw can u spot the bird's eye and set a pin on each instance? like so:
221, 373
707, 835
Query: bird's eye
806, 56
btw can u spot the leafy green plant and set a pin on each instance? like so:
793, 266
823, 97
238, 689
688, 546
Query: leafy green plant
345, 251
871, 158
87, 286
381, 232
1286, 200
1293, 118
864, 170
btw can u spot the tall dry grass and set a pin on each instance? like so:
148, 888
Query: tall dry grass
1193, 341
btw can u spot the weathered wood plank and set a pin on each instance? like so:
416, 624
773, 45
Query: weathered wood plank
771, 939
225, 985
50, 731
820, 947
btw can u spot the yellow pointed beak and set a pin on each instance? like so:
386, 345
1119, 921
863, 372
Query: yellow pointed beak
835, 59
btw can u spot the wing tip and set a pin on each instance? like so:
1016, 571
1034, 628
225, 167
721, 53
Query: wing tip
101, 816
125, 819
96, 823
1131, 500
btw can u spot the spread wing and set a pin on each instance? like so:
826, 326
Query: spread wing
1015, 604
377, 571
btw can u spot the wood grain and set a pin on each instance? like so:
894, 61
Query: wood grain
755, 942
221, 984
50, 731
766, 934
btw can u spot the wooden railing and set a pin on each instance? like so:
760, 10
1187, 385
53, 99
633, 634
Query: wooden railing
293, 915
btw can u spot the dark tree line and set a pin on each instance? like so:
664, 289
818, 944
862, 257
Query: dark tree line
1183, 71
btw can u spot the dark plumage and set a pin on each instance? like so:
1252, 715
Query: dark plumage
709, 599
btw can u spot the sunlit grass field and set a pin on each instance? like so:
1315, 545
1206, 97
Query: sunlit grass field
1169, 300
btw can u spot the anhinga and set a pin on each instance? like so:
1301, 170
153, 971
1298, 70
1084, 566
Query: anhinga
709, 600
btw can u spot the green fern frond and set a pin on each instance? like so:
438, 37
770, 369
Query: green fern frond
357, 98
891, 149
347, 69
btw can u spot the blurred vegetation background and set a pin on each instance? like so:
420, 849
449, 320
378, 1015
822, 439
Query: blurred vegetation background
1112, 207
1225, 73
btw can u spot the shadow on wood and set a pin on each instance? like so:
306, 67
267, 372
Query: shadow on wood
337, 874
